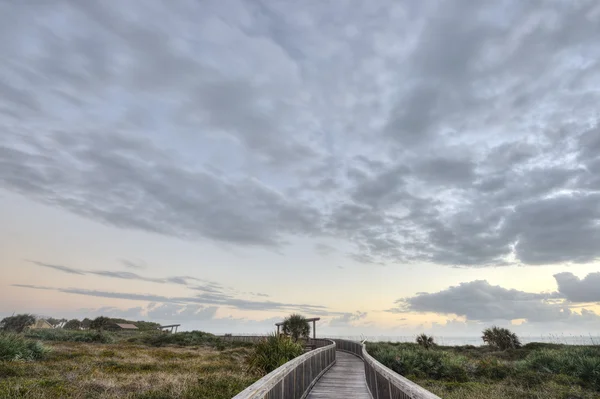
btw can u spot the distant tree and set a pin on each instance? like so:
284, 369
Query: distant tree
85, 323
426, 341
100, 323
53, 322
17, 323
501, 338
296, 326
72, 324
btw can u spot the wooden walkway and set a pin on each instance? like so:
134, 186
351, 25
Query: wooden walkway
346, 379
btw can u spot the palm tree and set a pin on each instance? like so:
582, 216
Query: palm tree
501, 338
426, 341
296, 326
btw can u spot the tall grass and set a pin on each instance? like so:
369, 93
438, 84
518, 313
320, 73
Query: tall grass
580, 362
16, 347
535, 362
188, 338
271, 353
70, 336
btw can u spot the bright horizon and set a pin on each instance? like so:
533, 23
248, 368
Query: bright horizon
393, 168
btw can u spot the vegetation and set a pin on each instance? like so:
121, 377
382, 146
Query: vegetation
272, 352
501, 338
425, 341
77, 370
85, 323
17, 323
188, 338
14, 347
100, 323
548, 371
72, 324
296, 327
59, 334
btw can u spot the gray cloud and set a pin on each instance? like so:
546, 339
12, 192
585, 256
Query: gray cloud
324, 249
182, 280
441, 133
203, 299
138, 265
347, 319
478, 300
61, 268
174, 312
579, 290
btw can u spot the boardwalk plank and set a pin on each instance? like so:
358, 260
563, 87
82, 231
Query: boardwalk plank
346, 379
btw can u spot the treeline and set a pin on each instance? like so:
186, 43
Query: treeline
20, 322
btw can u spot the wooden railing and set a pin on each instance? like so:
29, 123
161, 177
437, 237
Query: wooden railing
294, 379
384, 383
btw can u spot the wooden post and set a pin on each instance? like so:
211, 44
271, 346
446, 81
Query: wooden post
278, 330
314, 330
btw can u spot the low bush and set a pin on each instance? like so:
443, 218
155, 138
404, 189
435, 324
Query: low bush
579, 362
59, 334
421, 363
492, 368
188, 338
272, 352
17, 347
558, 369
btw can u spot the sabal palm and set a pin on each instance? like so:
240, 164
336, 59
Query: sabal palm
296, 326
425, 341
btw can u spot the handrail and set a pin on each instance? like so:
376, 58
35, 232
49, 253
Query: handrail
384, 383
352, 347
295, 378
316, 342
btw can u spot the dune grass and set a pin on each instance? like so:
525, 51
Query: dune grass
272, 352
62, 335
15, 347
548, 371
127, 370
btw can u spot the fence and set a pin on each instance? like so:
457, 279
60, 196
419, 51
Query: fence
294, 379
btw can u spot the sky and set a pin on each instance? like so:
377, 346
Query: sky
392, 167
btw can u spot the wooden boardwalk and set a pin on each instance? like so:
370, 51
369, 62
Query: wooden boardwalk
346, 379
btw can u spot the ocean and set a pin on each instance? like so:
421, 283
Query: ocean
476, 341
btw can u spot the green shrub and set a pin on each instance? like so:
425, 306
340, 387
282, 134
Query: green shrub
17, 347
579, 362
416, 361
501, 338
70, 336
271, 353
188, 338
492, 368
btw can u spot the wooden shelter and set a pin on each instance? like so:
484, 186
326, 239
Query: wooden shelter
314, 326
121, 326
171, 326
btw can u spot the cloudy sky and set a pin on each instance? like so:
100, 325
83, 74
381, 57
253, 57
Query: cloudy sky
389, 166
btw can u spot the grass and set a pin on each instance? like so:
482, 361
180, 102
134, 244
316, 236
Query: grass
15, 347
549, 371
71, 335
272, 352
128, 370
